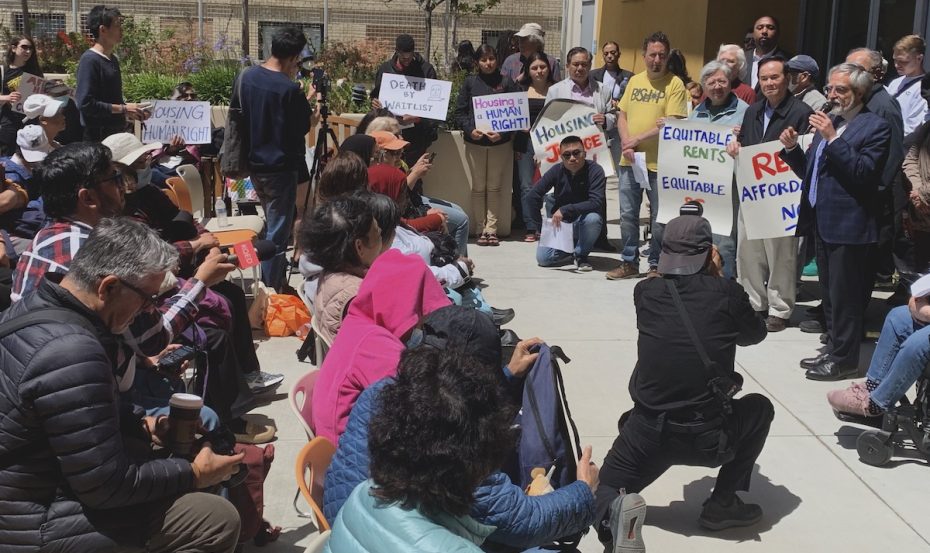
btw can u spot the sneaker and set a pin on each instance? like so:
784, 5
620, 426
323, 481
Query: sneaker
583, 266
719, 516
627, 513
625, 270
854, 400
259, 381
812, 326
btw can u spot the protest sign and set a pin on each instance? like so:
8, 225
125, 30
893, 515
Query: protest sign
694, 165
170, 118
502, 112
28, 84
561, 118
427, 98
769, 192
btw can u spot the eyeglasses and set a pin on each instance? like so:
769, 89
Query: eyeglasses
116, 177
148, 300
569, 154
838, 89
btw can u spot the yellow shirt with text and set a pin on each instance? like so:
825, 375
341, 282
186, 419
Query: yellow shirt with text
646, 101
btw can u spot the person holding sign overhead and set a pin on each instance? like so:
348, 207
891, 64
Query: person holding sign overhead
767, 268
20, 58
651, 95
488, 153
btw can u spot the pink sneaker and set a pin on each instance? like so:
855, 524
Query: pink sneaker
853, 401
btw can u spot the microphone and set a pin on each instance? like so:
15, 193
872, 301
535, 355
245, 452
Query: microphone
827, 107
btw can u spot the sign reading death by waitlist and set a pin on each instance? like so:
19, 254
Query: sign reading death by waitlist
694, 166
426, 98
562, 118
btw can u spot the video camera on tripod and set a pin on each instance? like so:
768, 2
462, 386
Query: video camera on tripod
317, 75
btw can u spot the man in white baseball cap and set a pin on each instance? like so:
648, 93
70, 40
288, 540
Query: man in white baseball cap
532, 39
48, 113
33, 144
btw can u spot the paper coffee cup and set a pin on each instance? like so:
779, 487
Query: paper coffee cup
184, 412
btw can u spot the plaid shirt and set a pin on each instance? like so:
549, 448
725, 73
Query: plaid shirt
51, 251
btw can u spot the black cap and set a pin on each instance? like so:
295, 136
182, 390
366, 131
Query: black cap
685, 243
404, 44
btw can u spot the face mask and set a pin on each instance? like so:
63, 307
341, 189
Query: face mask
416, 338
792, 85
143, 177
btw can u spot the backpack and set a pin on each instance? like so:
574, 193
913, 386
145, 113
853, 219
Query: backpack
234, 154
249, 497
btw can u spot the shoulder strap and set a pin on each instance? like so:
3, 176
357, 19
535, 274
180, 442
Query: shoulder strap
708, 364
44, 316
903, 88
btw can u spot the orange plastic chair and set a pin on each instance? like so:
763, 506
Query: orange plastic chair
183, 193
315, 456
300, 397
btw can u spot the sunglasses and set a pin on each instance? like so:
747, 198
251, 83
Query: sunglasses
569, 154
26, 46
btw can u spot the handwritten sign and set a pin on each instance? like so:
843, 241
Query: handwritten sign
502, 112
562, 118
694, 165
170, 118
28, 84
427, 98
769, 192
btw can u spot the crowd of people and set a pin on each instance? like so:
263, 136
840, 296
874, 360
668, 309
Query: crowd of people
104, 277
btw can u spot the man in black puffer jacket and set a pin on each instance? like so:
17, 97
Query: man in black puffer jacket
77, 471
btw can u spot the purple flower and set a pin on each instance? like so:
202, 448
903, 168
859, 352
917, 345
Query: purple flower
220, 43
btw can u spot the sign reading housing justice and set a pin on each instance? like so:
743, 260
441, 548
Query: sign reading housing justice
562, 118
694, 166
427, 98
502, 112
769, 192
170, 118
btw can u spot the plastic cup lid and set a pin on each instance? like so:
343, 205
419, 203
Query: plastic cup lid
186, 401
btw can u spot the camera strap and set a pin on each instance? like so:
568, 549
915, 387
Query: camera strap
705, 360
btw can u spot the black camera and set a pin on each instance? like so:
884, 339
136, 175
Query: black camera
223, 442
316, 74
724, 389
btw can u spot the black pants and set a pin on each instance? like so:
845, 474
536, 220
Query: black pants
219, 378
241, 332
646, 448
845, 273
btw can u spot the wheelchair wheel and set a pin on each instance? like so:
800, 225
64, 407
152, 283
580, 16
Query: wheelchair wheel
874, 449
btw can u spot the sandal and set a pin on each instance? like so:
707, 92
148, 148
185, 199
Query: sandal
493, 241
531, 237
483, 240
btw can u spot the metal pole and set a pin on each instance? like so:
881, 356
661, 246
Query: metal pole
75, 20
325, 21
448, 23
200, 20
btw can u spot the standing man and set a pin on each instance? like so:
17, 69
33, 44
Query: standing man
842, 176
803, 74
419, 132
99, 94
277, 117
650, 96
613, 78
532, 39
765, 37
767, 267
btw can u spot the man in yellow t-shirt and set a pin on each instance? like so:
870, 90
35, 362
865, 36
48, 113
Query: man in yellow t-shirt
650, 97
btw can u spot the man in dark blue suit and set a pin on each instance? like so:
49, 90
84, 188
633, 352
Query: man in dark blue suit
839, 206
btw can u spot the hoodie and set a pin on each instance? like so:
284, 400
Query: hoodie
397, 292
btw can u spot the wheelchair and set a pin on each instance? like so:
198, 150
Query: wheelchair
906, 425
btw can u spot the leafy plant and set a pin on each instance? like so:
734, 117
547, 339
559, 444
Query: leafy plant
356, 61
458, 79
214, 81
139, 40
148, 86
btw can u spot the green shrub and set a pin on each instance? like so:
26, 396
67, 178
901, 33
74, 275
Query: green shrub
148, 86
214, 81
457, 78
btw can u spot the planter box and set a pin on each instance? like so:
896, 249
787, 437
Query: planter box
450, 180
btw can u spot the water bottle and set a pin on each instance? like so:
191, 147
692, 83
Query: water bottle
220, 207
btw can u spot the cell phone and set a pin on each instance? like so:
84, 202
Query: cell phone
146, 105
432, 156
172, 361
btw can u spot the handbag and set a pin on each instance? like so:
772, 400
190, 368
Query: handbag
234, 155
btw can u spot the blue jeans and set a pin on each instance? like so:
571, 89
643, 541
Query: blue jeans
587, 229
526, 170
278, 194
631, 199
457, 221
726, 245
152, 391
900, 357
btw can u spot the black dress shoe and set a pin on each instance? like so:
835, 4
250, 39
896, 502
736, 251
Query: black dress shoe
502, 316
812, 326
830, 370
812, 362
824, 338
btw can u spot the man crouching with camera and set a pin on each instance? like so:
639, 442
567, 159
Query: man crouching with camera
77, 467
690, 321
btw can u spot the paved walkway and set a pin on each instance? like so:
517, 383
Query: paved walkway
816, 494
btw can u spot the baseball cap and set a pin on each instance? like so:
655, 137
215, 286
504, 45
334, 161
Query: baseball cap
685, 243
388, 141
531, 29
805, 64
33, 143
41, 105
126, 148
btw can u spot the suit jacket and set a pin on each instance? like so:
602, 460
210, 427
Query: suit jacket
849, 176
747, 71
622, 79
603, 102
791, 112
882, 104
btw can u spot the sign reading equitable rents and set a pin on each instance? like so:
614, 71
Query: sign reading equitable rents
502, 112
769, 192
694, 166
170, 118
561, 118
427, 98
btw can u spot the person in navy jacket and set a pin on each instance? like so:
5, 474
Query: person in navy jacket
842, 174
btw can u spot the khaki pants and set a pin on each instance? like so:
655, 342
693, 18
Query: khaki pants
491, 170
193, 523
768, 271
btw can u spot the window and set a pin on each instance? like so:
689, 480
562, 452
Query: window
41, 25
491, 38
313, 32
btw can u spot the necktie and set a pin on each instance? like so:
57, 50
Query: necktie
812, 195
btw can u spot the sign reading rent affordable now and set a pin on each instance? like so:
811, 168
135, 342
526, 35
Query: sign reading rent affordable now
694, 166
561, 118
769, 192
427, 98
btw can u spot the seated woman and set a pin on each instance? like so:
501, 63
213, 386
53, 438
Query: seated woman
901, 356
519, 520
177, 152
396, 293
344, 239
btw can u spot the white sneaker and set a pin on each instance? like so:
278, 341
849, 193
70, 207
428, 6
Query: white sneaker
627, 513
259, 381
584, 266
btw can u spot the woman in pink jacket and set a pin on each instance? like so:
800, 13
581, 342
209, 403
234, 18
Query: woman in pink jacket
396, 293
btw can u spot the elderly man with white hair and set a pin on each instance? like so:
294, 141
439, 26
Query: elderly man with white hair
722, 107
842, 176
532, 39
734, 56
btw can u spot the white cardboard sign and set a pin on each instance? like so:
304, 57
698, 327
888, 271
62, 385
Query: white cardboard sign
170, 118
562, 118
426, 98
769, 192
502, 112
